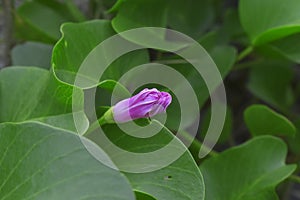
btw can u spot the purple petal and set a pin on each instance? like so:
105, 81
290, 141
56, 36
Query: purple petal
146, 103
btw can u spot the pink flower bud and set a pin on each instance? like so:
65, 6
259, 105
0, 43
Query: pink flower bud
147, 103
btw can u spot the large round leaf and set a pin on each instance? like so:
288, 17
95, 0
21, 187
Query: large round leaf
181, 179
42, 162
247, 172
261, 120
268, 20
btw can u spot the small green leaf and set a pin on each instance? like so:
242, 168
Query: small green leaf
249, 171
268, 20
261, 120
41, 162
143, 196
32, 54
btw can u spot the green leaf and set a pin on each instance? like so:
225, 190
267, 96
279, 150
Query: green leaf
135, 14
293, 141
181, 179
63, 121
268, 20
189, 17
270, 81
261, 120
288, 47
42, 162
31, 93
32, 54
32, 21
143, 196
85, 36
249, 171
109, 85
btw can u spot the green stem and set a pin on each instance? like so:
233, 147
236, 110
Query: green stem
107, 118
244, 53
246, 65
95, 126
196, 145
294, 178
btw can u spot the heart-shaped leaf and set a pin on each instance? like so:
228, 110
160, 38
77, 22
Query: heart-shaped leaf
261, 120
42, 162
31, 93
133, 14
189, 17
268, 20
79, 40
247, 172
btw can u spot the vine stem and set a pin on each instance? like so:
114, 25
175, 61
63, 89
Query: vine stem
246, 65
244, 53
196, 145
295, 178
95, 125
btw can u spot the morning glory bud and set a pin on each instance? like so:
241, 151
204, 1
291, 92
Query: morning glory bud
147, 103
